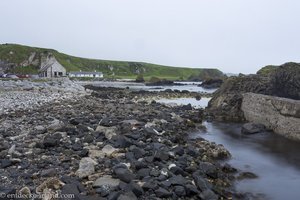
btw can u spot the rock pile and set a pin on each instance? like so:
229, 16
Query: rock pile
15, 95
108, 146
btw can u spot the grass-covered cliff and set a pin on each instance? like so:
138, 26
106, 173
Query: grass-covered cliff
21, 59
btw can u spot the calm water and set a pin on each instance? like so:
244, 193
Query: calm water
202, 103
190, 86
274, 159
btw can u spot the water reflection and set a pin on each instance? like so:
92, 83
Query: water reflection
276, 160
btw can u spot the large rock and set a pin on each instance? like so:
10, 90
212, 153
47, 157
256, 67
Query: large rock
106, 181
226, 102
279, 114
211, 83
86, 167
251, 128
284, 81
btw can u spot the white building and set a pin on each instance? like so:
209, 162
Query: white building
86, 74
51, 68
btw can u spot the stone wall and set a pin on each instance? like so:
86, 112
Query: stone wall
279, 114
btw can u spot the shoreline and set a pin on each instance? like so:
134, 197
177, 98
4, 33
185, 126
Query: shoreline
105, 129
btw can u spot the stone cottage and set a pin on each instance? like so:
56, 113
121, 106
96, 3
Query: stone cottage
51, 68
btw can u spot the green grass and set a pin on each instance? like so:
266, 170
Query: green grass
15, 53
267, 70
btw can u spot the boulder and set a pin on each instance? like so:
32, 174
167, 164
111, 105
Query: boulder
211, 83
86, 167
251, 128
106, 181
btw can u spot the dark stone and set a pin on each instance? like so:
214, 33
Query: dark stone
247, 175
208, 195
113, 196
88, 139
51, 141
179, 150
178, 180
102, 191
211, 83
177, 170
124, 174
143, 173
179, 191
136, 189
285, 81
83, 153
70, 189
138, 153
48, 172
201, 183
74, 121
6, 163
121, 141
251, 128
162, 193
154, 172
191, 190
77, 147
150, 185
161, 155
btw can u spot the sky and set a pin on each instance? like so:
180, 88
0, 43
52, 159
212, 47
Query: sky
231, 35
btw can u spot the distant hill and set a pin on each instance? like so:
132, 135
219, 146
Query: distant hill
21, 59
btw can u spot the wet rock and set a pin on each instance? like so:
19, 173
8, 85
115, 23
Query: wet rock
86, 167
251, 128
247, 175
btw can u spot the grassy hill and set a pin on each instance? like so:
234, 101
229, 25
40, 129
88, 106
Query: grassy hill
21, 59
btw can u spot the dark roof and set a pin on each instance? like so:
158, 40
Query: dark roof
99, 73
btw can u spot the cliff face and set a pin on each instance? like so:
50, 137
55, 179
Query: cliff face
279, 114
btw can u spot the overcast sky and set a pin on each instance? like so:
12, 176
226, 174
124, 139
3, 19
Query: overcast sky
232, 35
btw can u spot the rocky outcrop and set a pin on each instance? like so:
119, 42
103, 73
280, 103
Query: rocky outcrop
211, 83
285, 81
279, 114
226, 102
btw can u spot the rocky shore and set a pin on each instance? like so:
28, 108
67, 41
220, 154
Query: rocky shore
109, 145
16, 95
